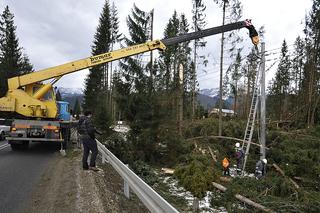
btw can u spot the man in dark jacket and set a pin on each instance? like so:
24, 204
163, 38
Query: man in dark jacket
87, 132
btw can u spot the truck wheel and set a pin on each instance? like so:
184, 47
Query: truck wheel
15, 147
1, 136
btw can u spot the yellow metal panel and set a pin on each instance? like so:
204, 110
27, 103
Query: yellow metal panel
42, 91
29, 106
7, 104
52, 109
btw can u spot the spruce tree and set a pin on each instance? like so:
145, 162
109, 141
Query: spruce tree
234, 71
134, 69
136, 98
168, 57
96, 83
298, 61
58, 96
12, 61
311, 71
235, 8
77, 108
249, 70
281, 83
188, 66
115, 38
199, 22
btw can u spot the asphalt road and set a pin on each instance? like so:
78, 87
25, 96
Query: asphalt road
19, 173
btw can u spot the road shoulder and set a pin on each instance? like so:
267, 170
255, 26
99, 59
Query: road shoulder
65, 187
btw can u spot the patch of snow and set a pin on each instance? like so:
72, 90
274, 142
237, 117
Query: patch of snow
204, 204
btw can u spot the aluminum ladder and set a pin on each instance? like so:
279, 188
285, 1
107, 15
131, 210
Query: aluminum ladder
251, 119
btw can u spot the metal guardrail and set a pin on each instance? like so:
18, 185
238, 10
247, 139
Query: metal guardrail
151, 199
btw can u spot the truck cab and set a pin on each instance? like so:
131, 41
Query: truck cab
63, 110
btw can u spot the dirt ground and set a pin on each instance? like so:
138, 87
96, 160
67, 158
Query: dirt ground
65, 187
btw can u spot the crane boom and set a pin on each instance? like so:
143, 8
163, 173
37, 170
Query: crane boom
58, 71
214, 30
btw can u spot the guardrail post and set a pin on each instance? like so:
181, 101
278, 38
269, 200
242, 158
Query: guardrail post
126, 189
103, 159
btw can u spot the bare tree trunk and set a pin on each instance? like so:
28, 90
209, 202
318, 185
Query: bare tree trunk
180, 107
151, 53
235, 97
221, 70
310, 94
194, 78
278, 169
314, 110
111, 105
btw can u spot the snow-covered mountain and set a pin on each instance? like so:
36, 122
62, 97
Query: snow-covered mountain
213, 92
70, 91
71, 95
208, 98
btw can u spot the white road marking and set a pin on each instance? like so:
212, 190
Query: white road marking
4, 146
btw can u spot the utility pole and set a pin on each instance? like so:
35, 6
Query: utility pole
221, 70
263, 105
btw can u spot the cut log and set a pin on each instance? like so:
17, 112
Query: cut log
298, 178
243, 199
278, 169
225, 179
167, 171
214, 157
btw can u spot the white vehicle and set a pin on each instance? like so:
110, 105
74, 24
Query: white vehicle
5, 126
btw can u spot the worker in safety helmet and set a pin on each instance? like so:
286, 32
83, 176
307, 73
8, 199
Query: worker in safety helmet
225, 165
261, 166
239, 157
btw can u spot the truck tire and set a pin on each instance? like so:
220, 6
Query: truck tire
15, 147
66, 134
2, 136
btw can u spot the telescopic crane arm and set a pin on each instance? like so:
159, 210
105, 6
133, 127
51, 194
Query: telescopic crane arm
58, 71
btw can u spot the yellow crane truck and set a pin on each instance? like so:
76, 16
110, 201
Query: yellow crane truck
31, 105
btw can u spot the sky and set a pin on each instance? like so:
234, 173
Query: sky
56, 32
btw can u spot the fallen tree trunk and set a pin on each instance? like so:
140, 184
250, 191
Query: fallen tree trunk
214, 157
224, 137
278, 169
243, 199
